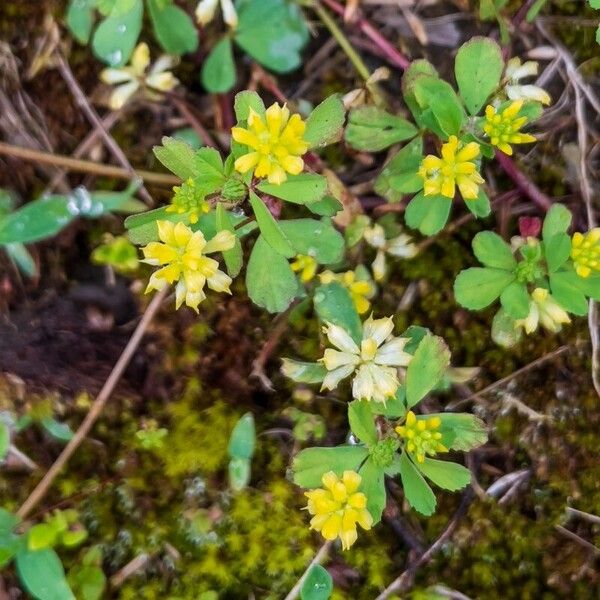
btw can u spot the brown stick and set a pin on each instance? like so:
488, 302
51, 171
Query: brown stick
44, 485
86, 166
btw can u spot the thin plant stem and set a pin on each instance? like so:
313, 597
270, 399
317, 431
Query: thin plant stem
96, 409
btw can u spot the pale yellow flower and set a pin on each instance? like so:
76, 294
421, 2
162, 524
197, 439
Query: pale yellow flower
585, 252
181, 255
374, 365
206, 10
421, 435
131, 78
338, 507
502, 127
400, 246
515, 71
544, 310
455, 167
275, 144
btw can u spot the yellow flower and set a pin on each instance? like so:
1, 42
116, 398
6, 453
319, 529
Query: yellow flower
585, 252
306, 266
338, 507
188, 199
360, 290
455, 167
421, 436
503, 127
276, 144
132, 77
182, 257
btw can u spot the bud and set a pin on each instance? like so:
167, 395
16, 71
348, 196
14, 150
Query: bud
233, 190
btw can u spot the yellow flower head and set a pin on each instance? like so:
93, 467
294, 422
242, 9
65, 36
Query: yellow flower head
585, 252
181, 256
360, 290
275, 142
188, 199
421, 435
305, 265
502, 127
338, 507
455, 167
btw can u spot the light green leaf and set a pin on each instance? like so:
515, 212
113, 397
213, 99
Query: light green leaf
430, 361
4, 441
461, 431
246, 100
319, 239
318, 584
277, 48
174, 29
234, 258
416, 490
400, 176
558, 220
327, 207
115, 38
270, 229
481, 206
438, 96
361, 421
87, 581
270, 281
325, 123
476, 288
566, 290
142, 229
492, 251
41, 536
504, 330
447, 475
557, 250
590, 286
334, 305
218, 70
178, 156
515, 300
239, 471
478, 69
243, 438
42, 575
59, 431
371, 128
311, 464
373, 486
300, 189
80, 19
415, 333
416, 69
303, 372
21, 257
428, 214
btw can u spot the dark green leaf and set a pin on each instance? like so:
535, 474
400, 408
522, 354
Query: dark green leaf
371, 128
373, 486
416, 69
325, 123
492, 251
80, 19
269, 227
400, 176
319, 239
361, 421
428, 214
416, 490
334, 305
476, 288
318, 584
438, 96
218, 70
300, 189
178, 156
42, 575
233, 258
327, 207
430, 361
174, 29
461, 431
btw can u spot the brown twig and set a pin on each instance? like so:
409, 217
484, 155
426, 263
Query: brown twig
98, 405
86, 166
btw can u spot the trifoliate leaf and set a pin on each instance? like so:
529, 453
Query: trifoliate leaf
371, 129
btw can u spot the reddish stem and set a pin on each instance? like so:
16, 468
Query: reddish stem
391, 53
523, 182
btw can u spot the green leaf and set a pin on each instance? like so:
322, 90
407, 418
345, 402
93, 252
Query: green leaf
415, 334
42, 575
438, 96
371, 128
515, 300
558, 220
400, 176
461, 431
234, 258
480, 207
492, 251
270, 281
41, 536
88, 581
416, 490
243, 438
4, 440
271, 232
303, 372
239, 471
246, 100
476, 288
142, 229
590, 286
428, 214
373, 486
59, 431
178, 156
115, 38
361, 421
21, 257
174, 29
325, 123
478, 68
218, 70
567, 292
311, 464
334, 305
415, 70
319, 239
318, 584
211, 170
36, 221
300, 189
430, 361
557, 250
447, 475
80, 19
277, 48
504, 330
327, 207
